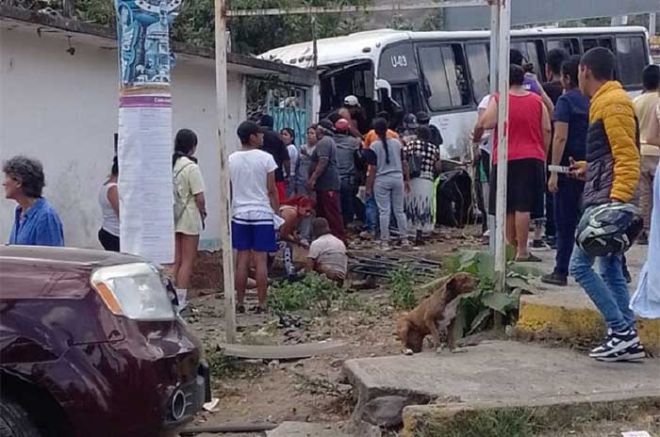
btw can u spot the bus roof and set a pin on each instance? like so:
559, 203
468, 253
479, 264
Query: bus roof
368, 45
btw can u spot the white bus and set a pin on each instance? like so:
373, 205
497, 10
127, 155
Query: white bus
444, 73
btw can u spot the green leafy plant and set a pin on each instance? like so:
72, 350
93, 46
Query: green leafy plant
479, 308
314, 292
401, 282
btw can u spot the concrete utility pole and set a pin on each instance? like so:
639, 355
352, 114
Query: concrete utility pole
504, 14
225, 206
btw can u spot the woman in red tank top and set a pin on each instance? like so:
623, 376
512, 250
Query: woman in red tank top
528, 140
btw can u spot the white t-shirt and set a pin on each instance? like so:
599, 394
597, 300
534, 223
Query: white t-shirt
248, 171
331, 252
486, 138
293, 156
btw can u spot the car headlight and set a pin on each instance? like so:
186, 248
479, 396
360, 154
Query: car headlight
134, 290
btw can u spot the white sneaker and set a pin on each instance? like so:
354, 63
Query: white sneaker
384, 246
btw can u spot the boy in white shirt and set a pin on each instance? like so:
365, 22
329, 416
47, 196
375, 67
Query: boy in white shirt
254, 205
327, 253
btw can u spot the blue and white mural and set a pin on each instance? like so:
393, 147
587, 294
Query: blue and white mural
143, 36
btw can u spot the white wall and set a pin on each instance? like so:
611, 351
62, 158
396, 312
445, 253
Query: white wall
62, 109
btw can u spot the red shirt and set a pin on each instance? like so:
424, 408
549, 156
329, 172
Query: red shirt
525, 128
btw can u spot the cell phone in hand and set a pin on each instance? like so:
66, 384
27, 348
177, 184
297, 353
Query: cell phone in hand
559, 169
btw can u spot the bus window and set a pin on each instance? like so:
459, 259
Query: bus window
530, 52
631, 58
590, 43
445, 76
479, 63
407, 95
571, 45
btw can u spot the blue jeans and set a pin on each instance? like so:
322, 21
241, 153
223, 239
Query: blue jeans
371, 214
608, 291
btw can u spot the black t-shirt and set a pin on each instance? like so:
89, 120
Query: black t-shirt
274, 145
554, 90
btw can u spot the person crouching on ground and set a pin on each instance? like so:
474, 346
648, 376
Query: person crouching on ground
327, 253
611, 171
254, 204
293, 212
36, 222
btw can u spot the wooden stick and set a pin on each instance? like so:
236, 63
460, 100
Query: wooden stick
225, 207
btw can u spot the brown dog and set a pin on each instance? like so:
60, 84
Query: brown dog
437, 309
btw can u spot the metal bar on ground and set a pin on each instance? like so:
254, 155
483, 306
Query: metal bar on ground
225, 207
504, 7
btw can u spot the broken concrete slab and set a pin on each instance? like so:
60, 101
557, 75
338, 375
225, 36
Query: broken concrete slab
503, 373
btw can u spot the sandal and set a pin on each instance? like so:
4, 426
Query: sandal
529, 259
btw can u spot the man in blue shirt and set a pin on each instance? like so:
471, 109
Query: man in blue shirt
571, 122
36, 222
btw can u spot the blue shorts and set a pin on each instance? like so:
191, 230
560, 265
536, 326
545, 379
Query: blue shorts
257, 235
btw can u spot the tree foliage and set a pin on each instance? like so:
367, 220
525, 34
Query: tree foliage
195, 25
253, 35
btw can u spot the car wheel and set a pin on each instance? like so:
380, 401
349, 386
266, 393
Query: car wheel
14, 420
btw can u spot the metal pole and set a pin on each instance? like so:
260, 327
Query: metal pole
494, 42
504, 7
652, 24
225, 207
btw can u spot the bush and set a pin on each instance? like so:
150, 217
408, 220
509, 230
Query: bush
401, 282
314, 292
478, 309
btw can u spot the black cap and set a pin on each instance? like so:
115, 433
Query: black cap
246, 129
423, 117
327, 126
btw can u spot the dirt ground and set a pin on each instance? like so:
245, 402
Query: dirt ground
309, 389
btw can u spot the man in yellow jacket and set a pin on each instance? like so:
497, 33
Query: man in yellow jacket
611, 174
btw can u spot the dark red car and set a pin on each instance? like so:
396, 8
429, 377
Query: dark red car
90, 345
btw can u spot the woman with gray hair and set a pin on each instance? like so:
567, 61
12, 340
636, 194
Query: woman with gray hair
36, 222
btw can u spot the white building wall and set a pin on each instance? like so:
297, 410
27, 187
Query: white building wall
62, 109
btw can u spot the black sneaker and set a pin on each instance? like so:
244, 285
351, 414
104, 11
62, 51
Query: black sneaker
240, 308
555, 278
552, 242
615, 344
539, 244
635, 352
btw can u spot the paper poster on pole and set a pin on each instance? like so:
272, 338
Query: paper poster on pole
145, 128
145, 177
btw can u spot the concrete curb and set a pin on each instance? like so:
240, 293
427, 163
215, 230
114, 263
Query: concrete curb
554, 316
455, 419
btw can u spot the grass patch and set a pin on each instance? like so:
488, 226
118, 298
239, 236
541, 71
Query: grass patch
401, 281
496, 423
589, 419
314, 292
224, 367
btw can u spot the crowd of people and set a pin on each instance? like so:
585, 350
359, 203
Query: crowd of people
575, 143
